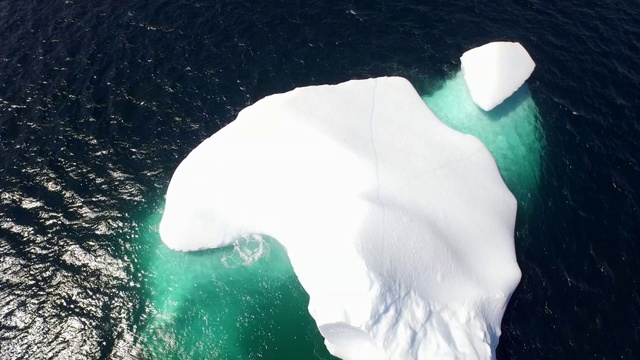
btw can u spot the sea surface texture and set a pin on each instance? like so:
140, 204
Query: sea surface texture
101, 100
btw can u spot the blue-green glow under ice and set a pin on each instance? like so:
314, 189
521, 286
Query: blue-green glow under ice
511, 131
240, 302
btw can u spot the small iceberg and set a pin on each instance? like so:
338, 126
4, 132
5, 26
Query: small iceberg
494, 71
511, 131
398, 227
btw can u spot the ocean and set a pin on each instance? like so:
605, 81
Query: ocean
101, 100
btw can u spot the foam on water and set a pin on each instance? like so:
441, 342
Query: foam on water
246, 251
511, 131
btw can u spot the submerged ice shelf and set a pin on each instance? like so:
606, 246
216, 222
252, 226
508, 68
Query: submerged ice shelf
399, 228
511, 132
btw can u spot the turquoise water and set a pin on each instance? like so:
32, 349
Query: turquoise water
511, 131
238, 302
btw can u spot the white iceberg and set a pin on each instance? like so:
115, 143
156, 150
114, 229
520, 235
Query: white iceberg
494, 71
398, 227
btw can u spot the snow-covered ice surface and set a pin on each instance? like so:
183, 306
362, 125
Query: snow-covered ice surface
494, 71
398, 227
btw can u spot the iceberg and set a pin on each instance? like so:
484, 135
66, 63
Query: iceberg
399, 228
494, 71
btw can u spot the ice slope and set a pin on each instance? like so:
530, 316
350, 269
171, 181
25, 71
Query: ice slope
494, 71
399, 228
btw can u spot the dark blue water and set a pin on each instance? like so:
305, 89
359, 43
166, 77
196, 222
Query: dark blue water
100, 100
